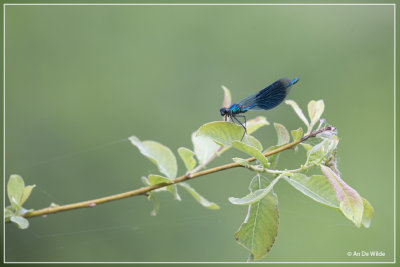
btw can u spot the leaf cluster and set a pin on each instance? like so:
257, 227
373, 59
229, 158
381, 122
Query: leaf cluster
258, 231
18, 193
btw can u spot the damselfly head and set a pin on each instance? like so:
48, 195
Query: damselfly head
224, 111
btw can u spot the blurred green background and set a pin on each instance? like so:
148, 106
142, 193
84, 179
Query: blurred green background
81, 79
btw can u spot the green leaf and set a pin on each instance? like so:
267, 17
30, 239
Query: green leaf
306, 146
317, 154
246, 164
204, 202
223, 133
156, 204
252, 126
151, 196
283, 134
15, 190
252, 141
258, 231
255, 124
322, 150
317, 187
187, 157
255, 195
367, 213
297, 134
298, 111
252, 151
204, 147
26, 193
8, 213
331, 146
350, 201
315, 110
227, 102
242, 162
20, 221
159, 154
145, 181
21, 211
173, 189
157, 179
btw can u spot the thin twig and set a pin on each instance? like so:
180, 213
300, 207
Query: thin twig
144, 190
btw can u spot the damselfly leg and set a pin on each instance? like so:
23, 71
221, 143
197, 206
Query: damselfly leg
234, 117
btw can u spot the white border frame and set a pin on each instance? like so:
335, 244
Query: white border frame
199, 4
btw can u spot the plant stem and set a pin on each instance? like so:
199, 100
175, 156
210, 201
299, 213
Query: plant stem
145, 190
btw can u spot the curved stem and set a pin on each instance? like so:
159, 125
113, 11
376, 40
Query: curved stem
144, 190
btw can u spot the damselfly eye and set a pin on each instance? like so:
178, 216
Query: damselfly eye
223, 111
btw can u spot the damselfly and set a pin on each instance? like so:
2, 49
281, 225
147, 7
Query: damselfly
267, 98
